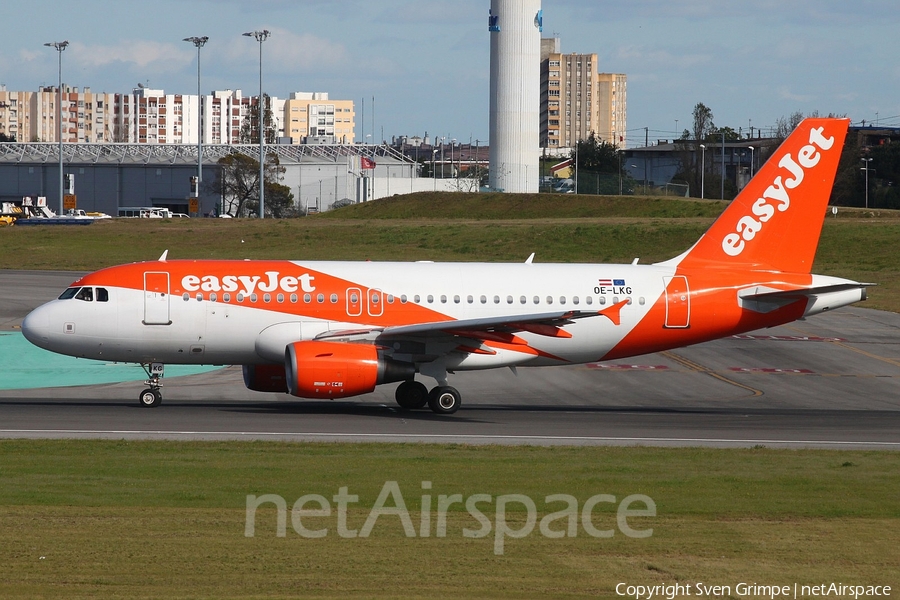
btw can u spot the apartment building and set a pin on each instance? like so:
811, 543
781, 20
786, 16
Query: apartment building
148, 116
576, 100
312, 118
32, 116
14, 114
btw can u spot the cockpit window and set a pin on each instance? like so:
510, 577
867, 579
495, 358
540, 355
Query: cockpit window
69, 293
102, 295
86, 294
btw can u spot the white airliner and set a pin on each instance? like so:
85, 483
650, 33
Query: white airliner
338, 329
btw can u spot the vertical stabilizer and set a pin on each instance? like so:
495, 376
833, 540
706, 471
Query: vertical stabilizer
775, 221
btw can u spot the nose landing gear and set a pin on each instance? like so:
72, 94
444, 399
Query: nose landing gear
151, 397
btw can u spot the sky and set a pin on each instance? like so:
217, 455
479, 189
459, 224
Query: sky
426, 62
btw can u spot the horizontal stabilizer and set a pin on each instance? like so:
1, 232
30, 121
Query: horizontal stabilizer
818, 298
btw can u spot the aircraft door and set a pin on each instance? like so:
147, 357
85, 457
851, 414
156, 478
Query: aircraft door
156, 298
354, 302
376, 304
678, 302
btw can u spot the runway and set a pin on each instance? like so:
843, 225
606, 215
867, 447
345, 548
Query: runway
830, 381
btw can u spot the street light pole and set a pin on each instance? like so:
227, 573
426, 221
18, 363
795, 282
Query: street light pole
751, 161
723, 165
261, 36
702, 171
60, 46
866, 161
199, 42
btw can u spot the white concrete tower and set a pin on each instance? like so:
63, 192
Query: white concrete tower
515, 29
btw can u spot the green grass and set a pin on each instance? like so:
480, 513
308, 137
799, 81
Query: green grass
161, 519
117, 519
858, 244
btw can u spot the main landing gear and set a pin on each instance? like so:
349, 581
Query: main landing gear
443, 399
151, 397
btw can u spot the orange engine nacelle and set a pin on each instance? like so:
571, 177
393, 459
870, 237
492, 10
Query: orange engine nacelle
339, 369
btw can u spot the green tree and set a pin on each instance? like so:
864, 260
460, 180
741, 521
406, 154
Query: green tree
594, 154
703, 121
279, 201
238, 186
598, 166
249, 133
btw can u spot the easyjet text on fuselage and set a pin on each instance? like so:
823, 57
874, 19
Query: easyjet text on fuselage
248, 284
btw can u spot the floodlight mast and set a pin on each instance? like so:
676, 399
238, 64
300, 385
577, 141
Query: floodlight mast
199, 42
59, 46
261, 36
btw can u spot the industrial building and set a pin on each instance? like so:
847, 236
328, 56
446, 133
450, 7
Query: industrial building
108, 177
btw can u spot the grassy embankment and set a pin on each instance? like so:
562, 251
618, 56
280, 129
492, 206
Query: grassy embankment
857, 244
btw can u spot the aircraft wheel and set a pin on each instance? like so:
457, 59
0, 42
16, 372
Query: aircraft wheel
444, 400
411, 394
150, 398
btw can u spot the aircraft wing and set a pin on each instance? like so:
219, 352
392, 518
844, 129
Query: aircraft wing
546, 324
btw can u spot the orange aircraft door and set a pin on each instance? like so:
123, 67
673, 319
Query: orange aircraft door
156, 298
678, 302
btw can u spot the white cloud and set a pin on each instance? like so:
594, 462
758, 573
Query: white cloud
290, 51
143, 54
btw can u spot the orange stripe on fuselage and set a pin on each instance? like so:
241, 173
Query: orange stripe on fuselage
267, 277
715, 312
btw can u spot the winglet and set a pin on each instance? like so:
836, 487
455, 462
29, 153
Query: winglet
530, 259
613, 313
164, 254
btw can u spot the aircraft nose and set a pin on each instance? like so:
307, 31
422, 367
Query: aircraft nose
36, 326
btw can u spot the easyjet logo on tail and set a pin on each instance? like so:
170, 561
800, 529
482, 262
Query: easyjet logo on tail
777, 196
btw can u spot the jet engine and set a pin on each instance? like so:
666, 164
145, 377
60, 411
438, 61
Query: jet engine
265, 378
339, 369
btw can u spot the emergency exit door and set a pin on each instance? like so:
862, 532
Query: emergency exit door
678, 302
156, 298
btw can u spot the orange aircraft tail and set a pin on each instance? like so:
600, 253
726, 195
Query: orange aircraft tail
775, 221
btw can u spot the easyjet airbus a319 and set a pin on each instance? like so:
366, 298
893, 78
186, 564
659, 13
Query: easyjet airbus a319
338, 329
